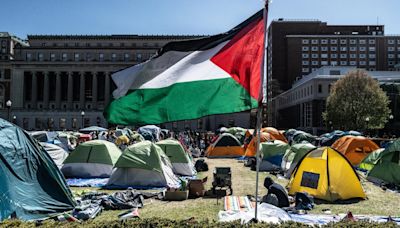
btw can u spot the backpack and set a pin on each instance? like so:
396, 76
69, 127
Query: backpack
304, 201
201, 165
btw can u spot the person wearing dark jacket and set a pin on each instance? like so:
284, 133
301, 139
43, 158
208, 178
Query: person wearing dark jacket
276, 195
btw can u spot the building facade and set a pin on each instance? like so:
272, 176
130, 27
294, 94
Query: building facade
64, 82
297, 48
303, 104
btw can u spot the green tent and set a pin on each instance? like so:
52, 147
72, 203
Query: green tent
32, 187
143, 164
180, 159
387, 166
90, 159
370, 161
272, 153
293, 155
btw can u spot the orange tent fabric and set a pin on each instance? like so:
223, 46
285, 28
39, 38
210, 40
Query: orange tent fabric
226, 145
275, 134
354, 148
251, 148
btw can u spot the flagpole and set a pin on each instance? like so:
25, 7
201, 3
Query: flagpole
259, 110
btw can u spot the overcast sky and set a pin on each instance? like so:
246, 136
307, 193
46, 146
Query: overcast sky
23, 17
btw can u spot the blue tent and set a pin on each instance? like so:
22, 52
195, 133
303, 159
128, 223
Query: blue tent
31, 186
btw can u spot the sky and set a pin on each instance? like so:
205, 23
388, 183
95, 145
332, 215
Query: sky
180, 17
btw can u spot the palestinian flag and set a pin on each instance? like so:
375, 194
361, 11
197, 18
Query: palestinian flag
193, 78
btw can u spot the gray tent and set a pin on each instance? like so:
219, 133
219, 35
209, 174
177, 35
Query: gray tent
56, 153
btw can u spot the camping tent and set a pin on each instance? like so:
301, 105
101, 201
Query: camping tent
272, 153
274, 134
370, 160
385, 165
56, 153
93, 129
326, 174
150, 132
301, 136
143, 165
226, 145
328, 139
91, 159
294, 155
355, 148
181, 162
251, 147
32, 187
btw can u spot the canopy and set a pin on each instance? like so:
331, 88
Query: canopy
32, 187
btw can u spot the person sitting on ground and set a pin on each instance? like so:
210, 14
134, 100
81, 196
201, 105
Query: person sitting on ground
276, 195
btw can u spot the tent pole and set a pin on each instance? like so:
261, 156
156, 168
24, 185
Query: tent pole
260, 109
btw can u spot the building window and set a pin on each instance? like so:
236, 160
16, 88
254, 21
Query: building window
343, 63
304, 48
391, 56
314, 56
353, 49
113, 57
371, 56
390, 48
324, 56
343, 56
363, 56
74, 123
372, 63
62, 123
371, 48
304, 41
40, 56
305, 62
52, 56
314, 63
343, 48
353, 41
333, 55
334, 63
314, 48
353, 56
324, 48
343, 41
88, 57
333, 41
362, 41
28, 56
127, 57
363, 63
390, 41
353, 63
76, 56
305, 70
314, 41
371, 41
363, 48
101, 57
64, 56
324, 63
324, 41
390, 63
333, 48
319, 88
138, 57
305, 56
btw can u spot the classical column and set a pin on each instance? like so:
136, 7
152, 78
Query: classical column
94, 90
34, 90
46, 90
70, 90
107, 94
58, 89
82, 90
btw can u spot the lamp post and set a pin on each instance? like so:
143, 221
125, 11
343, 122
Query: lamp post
330, 125
8, 104
367, 122
83, 116
14, 119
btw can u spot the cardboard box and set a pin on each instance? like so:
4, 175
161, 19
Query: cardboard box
176, 195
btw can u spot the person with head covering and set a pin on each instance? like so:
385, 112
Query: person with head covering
276, 195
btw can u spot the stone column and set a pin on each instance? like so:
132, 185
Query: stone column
34, 90
82, 91
94, 90
46, 90
70, 90
107, 94
58, 89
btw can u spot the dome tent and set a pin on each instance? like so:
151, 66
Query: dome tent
326, 174
143, 165
32, 187
91, 159
355, 148
181, 162
272, 153
294, 155
226, 145
56, 153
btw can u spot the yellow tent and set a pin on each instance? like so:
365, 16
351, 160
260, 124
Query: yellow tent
326, 174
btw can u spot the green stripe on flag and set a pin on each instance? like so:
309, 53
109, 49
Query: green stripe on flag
181, 101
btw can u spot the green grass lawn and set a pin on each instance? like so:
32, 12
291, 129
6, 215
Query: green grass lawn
379, 202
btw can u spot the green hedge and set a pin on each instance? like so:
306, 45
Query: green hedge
154, 222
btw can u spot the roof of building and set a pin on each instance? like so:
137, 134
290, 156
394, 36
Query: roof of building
122, 36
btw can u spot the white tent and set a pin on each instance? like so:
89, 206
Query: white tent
57, 153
